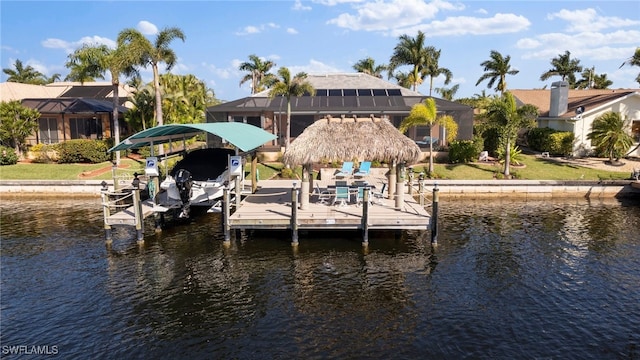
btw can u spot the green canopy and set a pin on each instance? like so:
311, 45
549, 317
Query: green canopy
244, 136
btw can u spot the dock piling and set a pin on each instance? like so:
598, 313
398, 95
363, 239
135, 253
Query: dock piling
225, 216
365, 217
294, 215
107, 212
137, 209
434, 216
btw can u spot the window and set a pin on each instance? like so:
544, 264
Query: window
85, 128
299, 123
254, 120
635, 130
48, 130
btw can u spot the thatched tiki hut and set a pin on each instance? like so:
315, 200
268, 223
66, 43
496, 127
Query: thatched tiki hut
347, 139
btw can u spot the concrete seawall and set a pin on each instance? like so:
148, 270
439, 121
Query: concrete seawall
533, 188
53, 187
447, 188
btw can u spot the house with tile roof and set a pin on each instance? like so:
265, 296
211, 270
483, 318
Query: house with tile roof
70, 110
338, 95
575, 110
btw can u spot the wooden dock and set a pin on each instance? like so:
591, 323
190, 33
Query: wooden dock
271, 208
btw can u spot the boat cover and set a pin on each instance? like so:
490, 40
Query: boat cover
245, 137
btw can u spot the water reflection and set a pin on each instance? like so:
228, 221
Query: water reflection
507, 279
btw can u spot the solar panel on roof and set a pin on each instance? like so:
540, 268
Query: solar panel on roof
335, 92
349, 92
364, 92
96, 92
379, 92
394, 92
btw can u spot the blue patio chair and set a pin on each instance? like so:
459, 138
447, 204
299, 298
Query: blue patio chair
360, 196
347, 169
365, 168
342, 195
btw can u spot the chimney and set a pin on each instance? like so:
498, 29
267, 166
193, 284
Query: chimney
559, 98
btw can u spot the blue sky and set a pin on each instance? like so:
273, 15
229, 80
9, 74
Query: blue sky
325, 36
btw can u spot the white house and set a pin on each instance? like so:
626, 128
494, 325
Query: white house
575, 110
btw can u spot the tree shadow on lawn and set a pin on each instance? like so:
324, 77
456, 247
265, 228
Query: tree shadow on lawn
489, 167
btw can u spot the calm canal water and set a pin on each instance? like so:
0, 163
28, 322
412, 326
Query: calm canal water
508, 280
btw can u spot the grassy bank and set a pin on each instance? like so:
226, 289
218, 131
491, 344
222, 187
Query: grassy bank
534, 169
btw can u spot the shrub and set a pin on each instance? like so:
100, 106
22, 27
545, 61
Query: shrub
287, 173
464, 151
554, 141
561, 143
83, 151
8, 156
491, 139
44, 153
538, 138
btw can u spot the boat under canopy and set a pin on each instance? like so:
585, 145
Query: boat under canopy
245, 137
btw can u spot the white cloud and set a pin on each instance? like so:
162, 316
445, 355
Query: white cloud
297, 6
466, 25
336, 2
381, 15
71, 46
147, 28
482, 11
251, 29
588, 20
292, 31
314, 67
592, 45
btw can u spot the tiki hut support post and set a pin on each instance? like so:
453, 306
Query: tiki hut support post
400, 186
392, 179
304, 189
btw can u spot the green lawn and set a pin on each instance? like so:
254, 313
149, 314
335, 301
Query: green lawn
535, 169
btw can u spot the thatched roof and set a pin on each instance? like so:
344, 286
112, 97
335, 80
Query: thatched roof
346, 139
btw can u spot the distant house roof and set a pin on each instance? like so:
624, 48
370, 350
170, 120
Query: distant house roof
353, 93
96, 90
71, 106
589, 99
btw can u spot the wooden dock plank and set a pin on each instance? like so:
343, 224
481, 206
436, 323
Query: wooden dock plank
270, 208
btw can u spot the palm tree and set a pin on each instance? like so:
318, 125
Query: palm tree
411, 51
258, 73
94, 61
422, 114
433, 70
142, 98
496, 69
448, 93
25, 74
506, 118
185, 98
565, 67
288, 87
153, 54
634, 61
368, 66
591, 80
404, 79
609, 135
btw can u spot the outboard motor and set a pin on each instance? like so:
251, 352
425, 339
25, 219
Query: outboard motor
184, 182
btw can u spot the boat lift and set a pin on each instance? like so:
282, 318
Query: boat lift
125, 207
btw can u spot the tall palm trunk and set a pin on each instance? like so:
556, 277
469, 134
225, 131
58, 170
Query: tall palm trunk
288, 140
507, 158
430, 154
156, 85
116, 122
